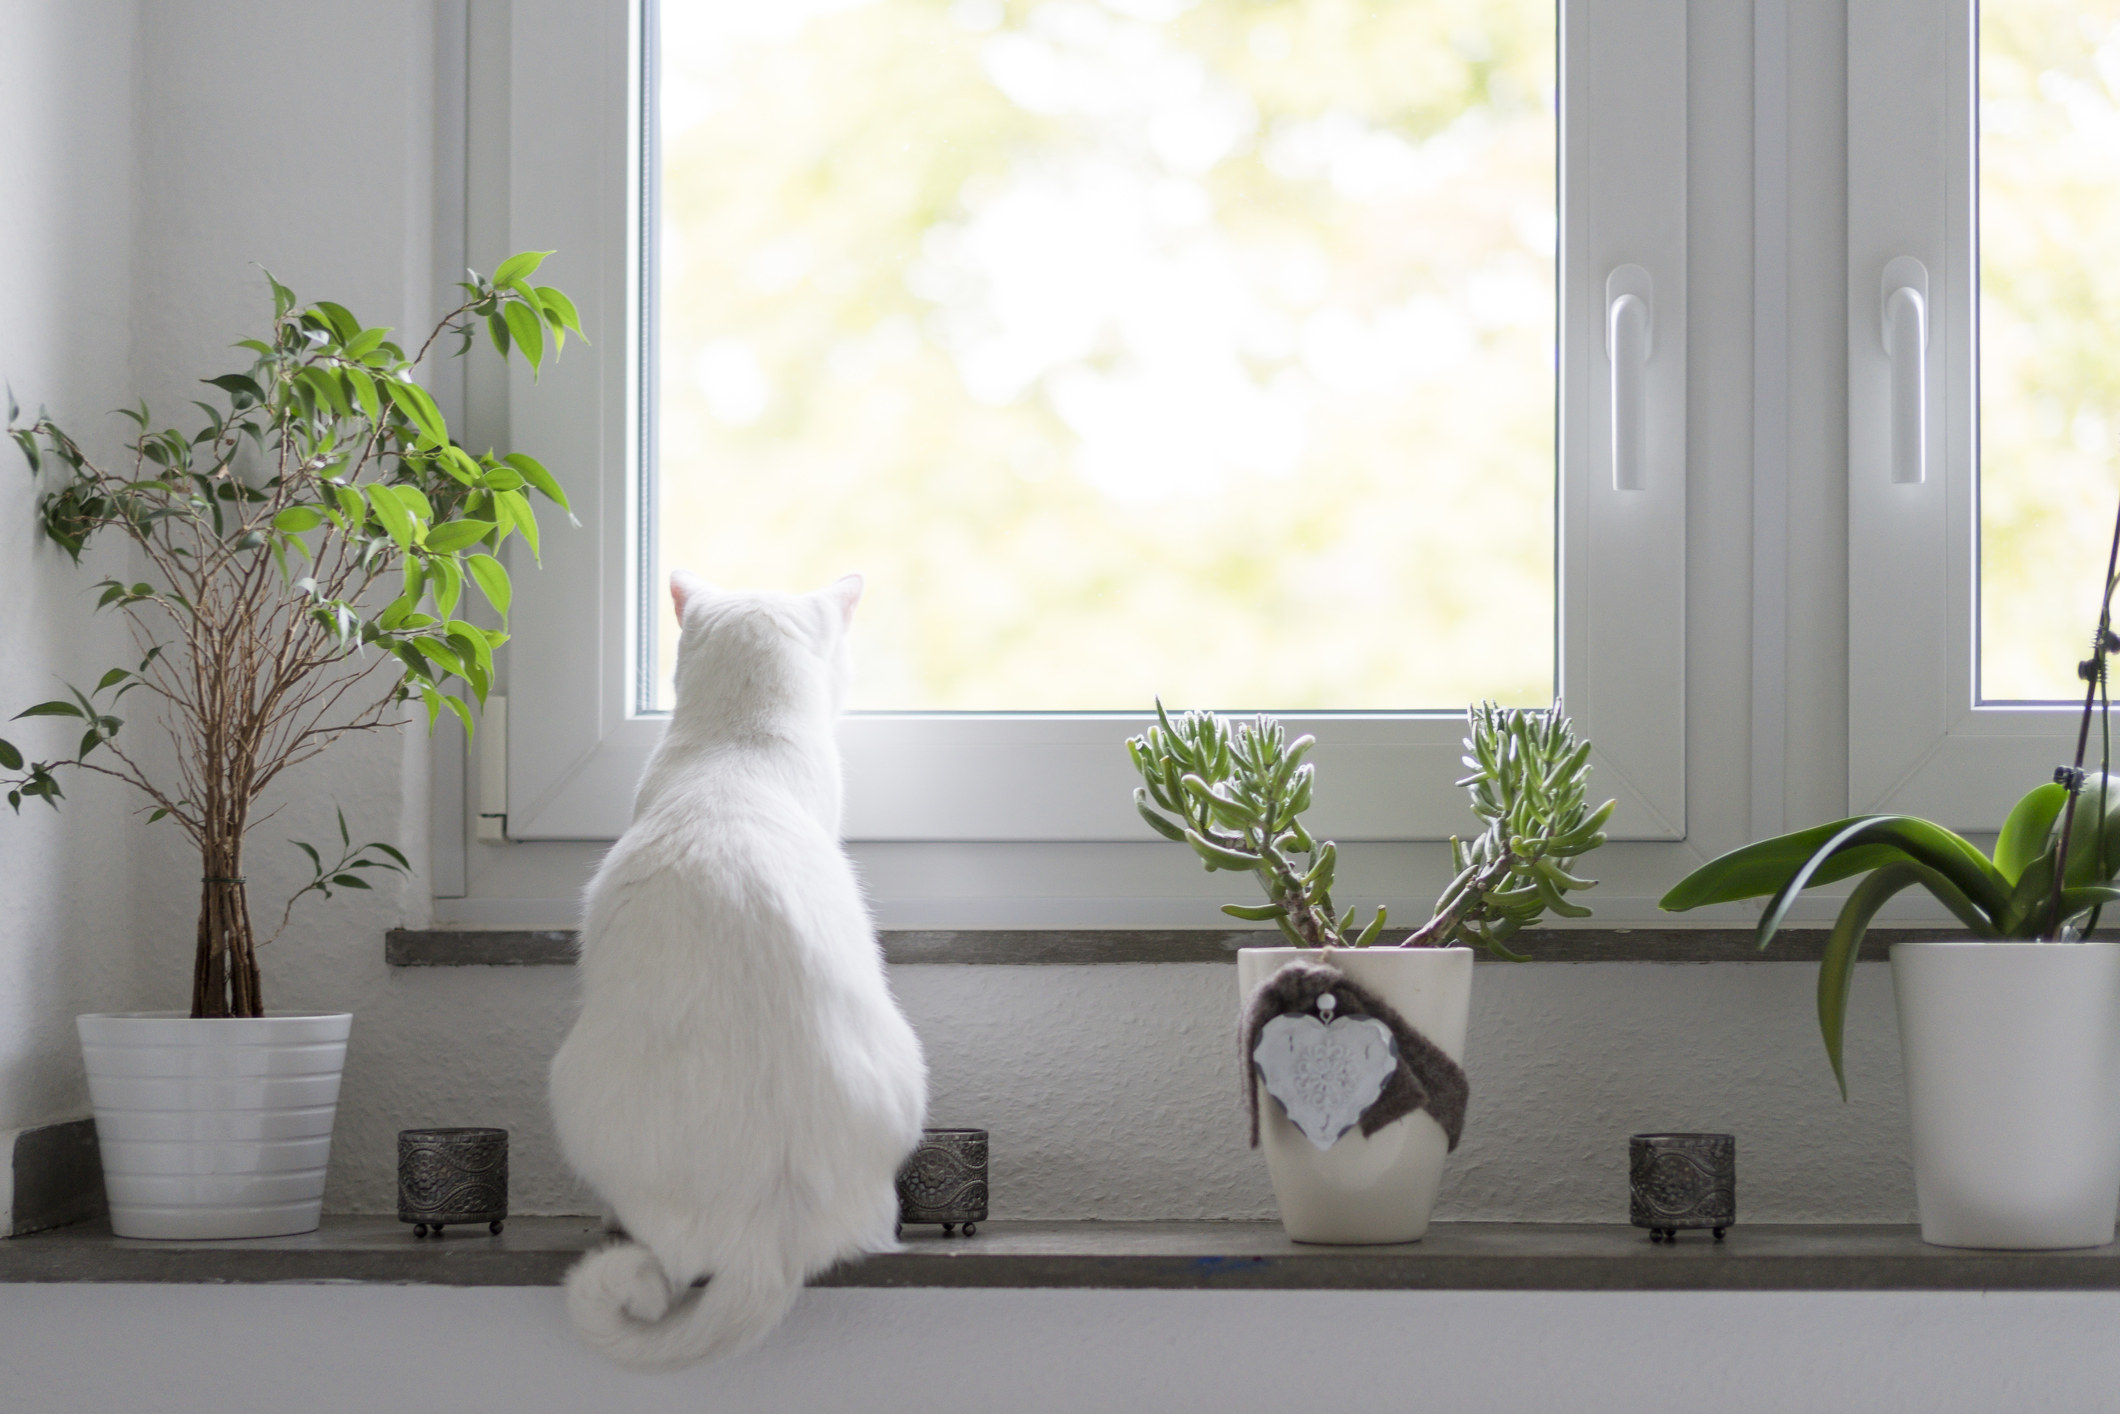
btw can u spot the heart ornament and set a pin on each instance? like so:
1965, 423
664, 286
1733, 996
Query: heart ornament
1324, 1071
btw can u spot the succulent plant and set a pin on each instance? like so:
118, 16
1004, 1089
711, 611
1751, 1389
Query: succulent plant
1236, 794
1529, 783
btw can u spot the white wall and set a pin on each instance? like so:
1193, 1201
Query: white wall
67, 943
323, 1350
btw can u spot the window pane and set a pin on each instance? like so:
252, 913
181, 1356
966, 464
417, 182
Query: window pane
1150, 346
2049, 353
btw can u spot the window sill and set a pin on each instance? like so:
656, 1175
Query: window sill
513, 947
1146, 1256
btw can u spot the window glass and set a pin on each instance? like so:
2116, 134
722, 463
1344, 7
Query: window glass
2049, 335
1144, 346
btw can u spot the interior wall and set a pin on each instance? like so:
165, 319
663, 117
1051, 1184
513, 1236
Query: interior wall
301, 138
66, 937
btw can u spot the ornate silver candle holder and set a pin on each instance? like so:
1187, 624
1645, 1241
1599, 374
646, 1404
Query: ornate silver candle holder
452, 1176
1682, 1181
945, 1181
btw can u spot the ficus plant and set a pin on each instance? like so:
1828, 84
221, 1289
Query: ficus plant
1236, 793
307, 553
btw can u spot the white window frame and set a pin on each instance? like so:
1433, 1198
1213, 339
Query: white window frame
576, 745
1919, 739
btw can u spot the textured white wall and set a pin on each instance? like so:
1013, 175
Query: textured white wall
66, 938
1112, 1092
326, 1350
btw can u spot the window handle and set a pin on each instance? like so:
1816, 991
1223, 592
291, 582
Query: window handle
1630, 322
1906, 341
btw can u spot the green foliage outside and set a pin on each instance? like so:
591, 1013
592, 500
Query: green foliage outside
1197, 347
2049, 356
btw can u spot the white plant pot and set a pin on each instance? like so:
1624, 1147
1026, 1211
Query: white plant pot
2013, 1088
215, 1128
1379, 1187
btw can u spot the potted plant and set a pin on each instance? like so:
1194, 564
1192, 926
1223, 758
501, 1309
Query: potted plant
306, 555
1236, 795
2011, 1031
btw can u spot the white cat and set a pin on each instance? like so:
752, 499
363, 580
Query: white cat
740, 1087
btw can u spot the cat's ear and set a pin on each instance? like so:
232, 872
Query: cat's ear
684, 588
845, 592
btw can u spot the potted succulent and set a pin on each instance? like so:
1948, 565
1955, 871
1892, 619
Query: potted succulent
1359, 1044
2011, 1031
306, 554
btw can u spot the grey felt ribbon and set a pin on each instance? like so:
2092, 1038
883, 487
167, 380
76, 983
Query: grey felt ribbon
1425, 1077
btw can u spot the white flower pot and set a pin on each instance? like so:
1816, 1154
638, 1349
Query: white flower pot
218, 1128
1379, 1187
2013, 1088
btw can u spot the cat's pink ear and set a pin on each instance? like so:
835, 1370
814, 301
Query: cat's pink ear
846, 593
684, 588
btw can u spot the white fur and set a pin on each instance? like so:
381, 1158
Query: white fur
740, 1087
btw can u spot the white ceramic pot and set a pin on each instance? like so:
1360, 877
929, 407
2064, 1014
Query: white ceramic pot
1379, 1187
217, 1128
2013, 1088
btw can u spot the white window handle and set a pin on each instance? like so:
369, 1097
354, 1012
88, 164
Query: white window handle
1630, 324
1906, 341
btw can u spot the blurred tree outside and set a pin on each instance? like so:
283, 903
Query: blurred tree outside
1194, 347
2049, 350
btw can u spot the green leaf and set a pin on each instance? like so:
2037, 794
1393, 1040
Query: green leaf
463, 713
365, 343
521, 516
1759, 870
111, 679
239, 386
1836, 970
282, 297
1156, 822
448, 583
452, 536
518, 266
2026, 832
351, 506
528, 332
296, 519
533, 471
1255, 913
412, 400
1976, 892
438, 652
52, 709
492, 578
341, 319
364, 393
392, 513
497, 330
10, 758
560, 310
1218, 856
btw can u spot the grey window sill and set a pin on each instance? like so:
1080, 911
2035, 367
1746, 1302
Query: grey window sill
1165, 1256
513, 947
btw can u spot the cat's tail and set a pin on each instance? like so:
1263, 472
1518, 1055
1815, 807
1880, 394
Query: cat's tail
622, 1303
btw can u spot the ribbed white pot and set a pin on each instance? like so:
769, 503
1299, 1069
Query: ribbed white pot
1379, 1187
2013, 1088
214, 1128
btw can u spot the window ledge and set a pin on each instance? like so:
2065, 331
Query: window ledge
518, 947
1141, 1255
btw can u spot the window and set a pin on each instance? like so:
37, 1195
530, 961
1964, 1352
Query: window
578, 735
1981, 166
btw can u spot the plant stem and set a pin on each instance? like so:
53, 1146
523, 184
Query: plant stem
2096, 675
